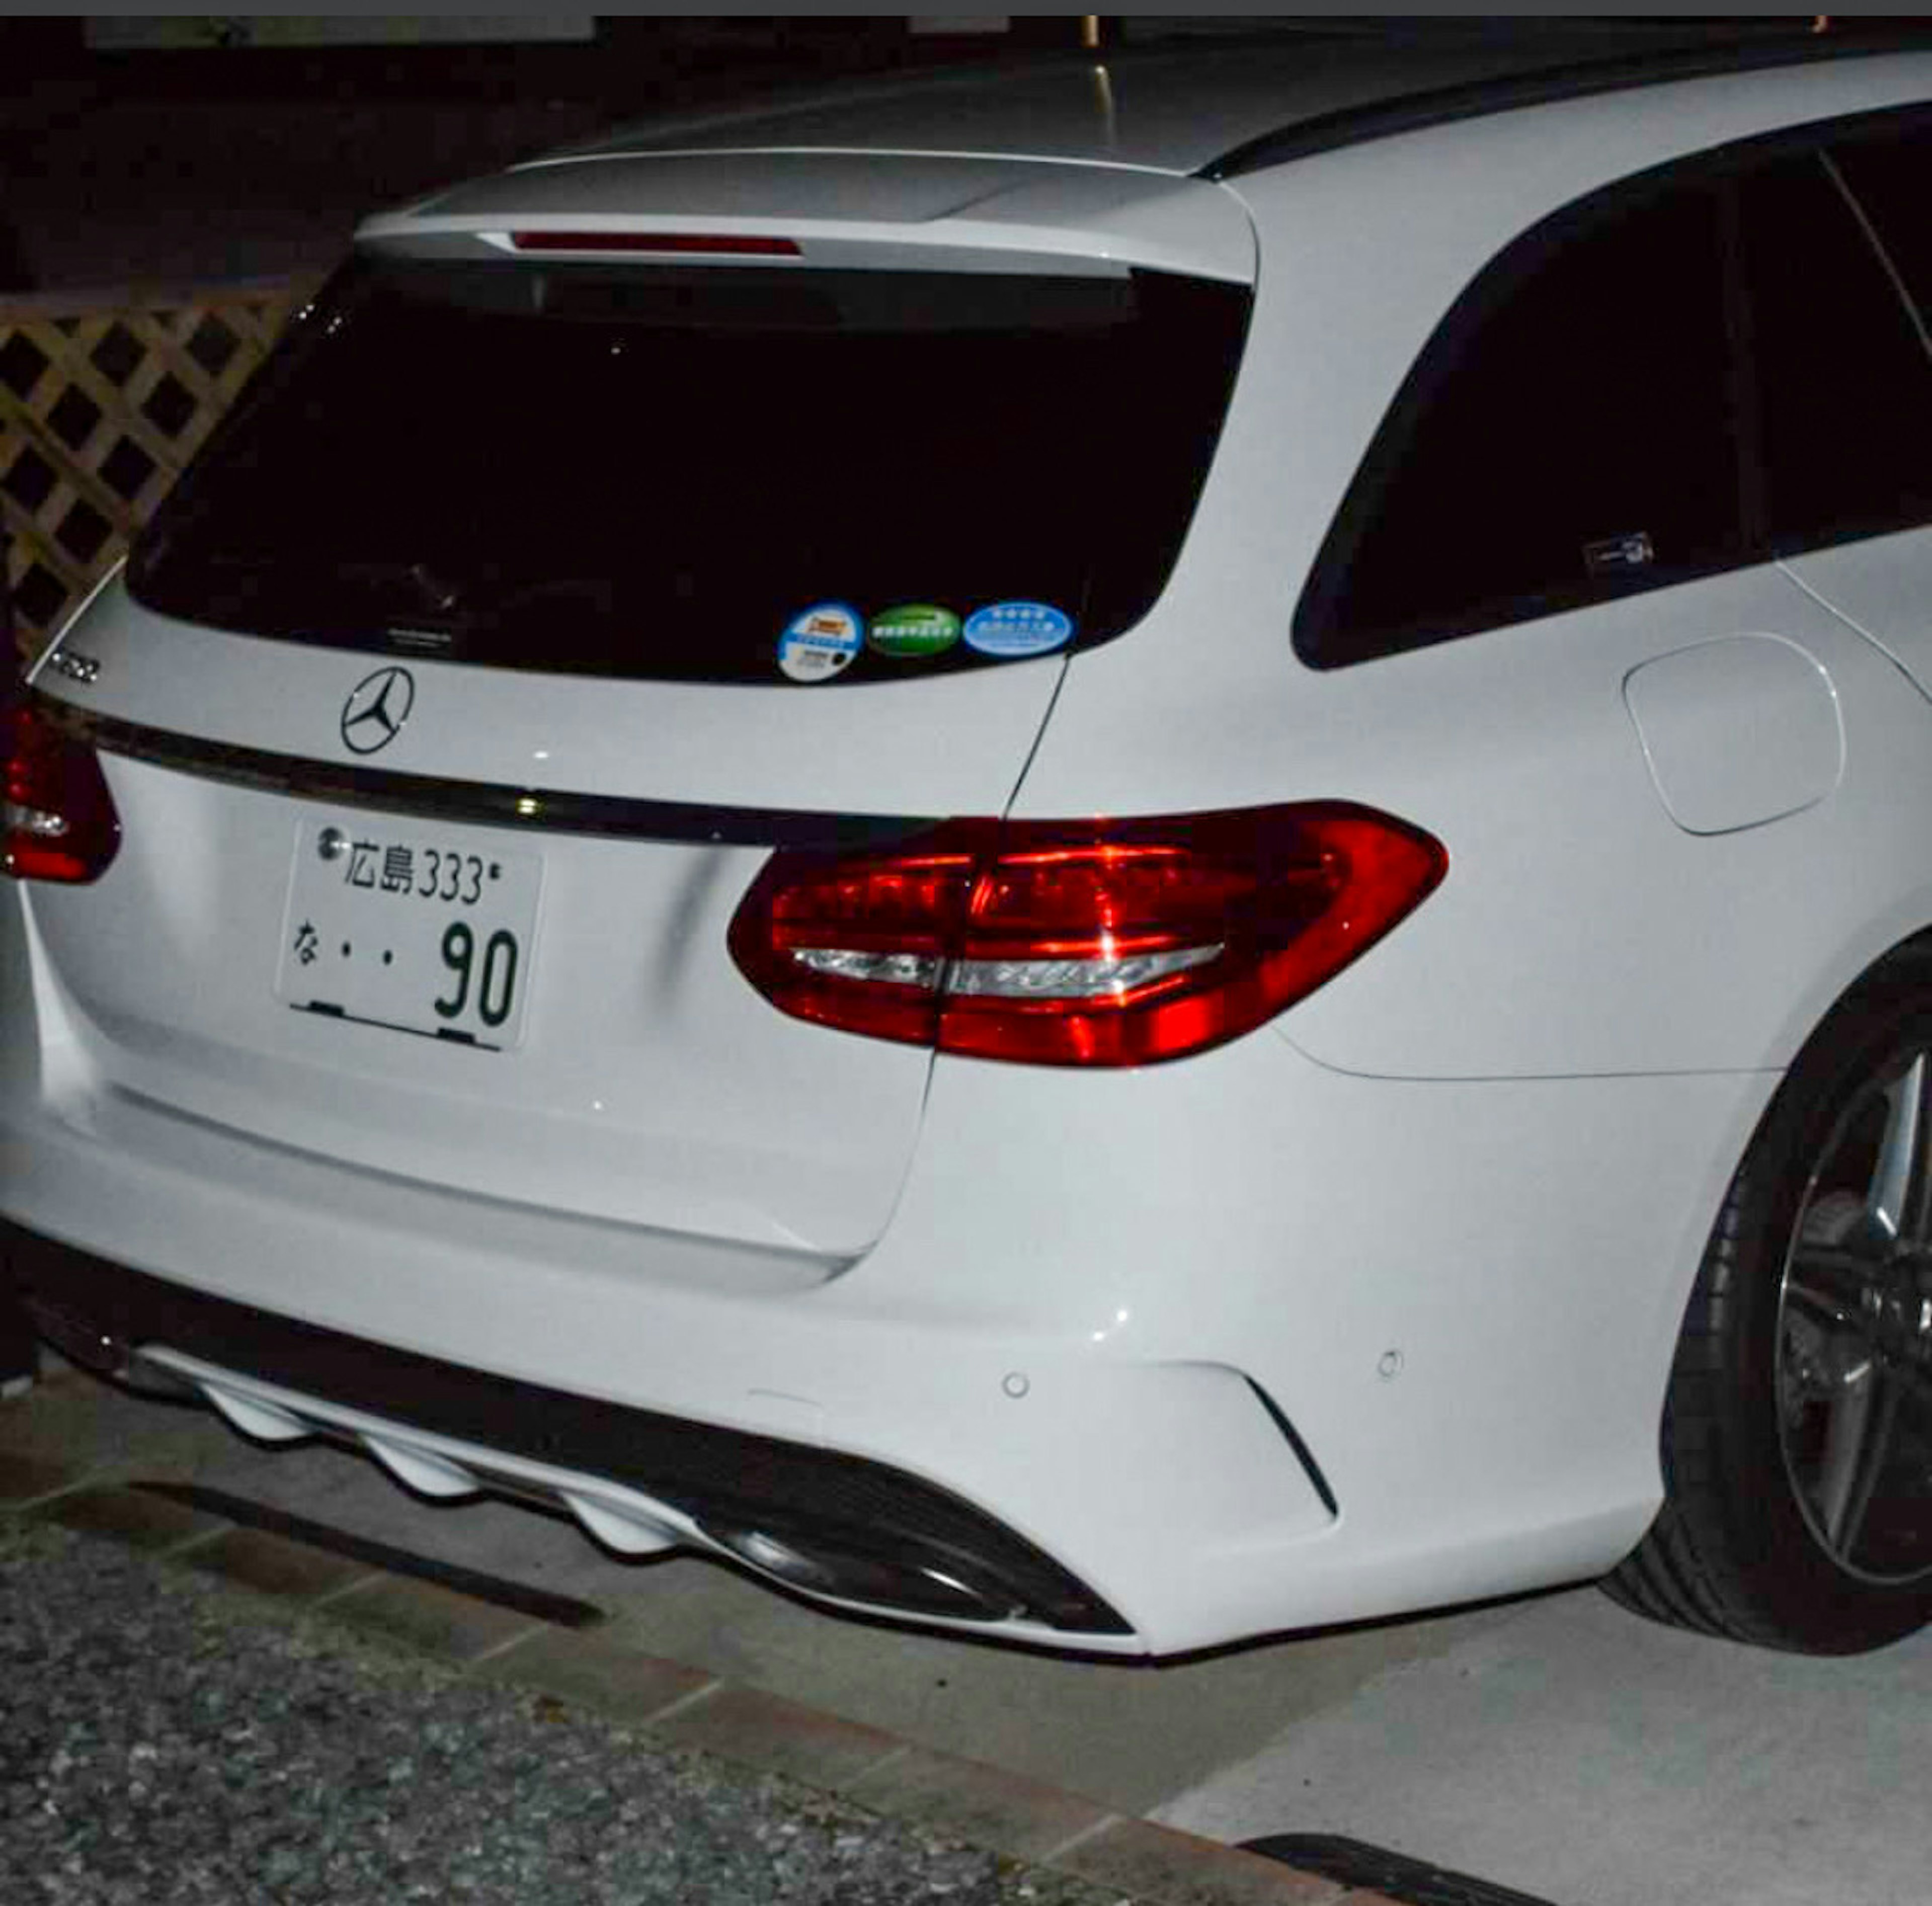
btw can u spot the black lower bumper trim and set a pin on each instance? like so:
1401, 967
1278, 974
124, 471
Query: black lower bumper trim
723, 1478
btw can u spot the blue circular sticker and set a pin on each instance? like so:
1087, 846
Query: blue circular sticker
819, 643
1009, 629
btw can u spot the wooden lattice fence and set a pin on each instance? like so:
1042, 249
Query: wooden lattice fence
102, 400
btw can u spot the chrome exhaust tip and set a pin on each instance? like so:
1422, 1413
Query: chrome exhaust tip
908, 1579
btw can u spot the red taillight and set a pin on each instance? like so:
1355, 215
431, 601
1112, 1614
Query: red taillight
1082, 943
709, 244
59, 819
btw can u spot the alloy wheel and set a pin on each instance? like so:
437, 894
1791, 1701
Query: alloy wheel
1854, 1367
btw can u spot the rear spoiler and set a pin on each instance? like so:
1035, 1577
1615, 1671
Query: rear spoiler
786, 211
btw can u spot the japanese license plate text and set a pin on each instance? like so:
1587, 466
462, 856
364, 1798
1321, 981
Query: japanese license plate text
390, 925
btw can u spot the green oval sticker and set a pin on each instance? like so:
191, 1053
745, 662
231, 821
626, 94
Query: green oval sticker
916, 628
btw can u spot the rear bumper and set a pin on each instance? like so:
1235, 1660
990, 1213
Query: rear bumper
821, 1521
694, 1390
1109, 1318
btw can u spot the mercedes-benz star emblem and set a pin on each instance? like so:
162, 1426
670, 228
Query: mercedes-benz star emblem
377, 706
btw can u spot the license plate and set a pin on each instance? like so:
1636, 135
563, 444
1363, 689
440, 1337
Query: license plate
392, 926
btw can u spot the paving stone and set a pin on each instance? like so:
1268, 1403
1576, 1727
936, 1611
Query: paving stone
780, 1736
273, 1565
129, 1516
437, 1621
1156, 1863
617, 1682
26, 1478
984, 1806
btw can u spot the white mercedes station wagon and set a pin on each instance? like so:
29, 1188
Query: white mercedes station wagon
1120, 854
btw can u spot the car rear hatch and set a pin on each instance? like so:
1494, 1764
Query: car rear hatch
600, 528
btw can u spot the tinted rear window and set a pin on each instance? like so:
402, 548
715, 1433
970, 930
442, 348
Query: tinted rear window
655, 473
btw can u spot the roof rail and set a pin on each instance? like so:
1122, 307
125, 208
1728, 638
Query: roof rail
1328, 132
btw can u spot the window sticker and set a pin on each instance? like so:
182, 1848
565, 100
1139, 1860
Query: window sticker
1616, 554
914, 629
820, 644
1011, 629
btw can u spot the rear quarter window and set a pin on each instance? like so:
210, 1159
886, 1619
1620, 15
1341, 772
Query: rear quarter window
1569, 434
1843, 383
1716, 364
1888, 174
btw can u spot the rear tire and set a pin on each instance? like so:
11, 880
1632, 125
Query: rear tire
1797, 1433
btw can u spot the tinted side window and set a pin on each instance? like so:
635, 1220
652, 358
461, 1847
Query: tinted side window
1844, 384
1891, 178
1569, 435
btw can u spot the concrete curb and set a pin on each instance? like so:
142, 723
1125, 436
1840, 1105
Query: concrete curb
982, 1806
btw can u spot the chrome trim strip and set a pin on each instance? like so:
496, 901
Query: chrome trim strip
480, 803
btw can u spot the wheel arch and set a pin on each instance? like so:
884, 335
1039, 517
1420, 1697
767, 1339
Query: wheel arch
1868, 962
1865, 959
1726, 1555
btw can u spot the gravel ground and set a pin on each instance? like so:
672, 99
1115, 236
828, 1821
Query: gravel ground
166, 1739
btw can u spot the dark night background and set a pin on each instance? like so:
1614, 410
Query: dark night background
144, 167
129, 167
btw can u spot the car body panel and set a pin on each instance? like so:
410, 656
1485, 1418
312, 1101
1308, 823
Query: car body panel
653, 1086
1883, 587
1630, 946
1737, 732
1200, 1522
1483, 740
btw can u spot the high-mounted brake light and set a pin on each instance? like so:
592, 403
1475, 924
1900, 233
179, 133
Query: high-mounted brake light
740, 244
1082, 943
59, 822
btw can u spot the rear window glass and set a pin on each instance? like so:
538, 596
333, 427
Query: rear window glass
664, 473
